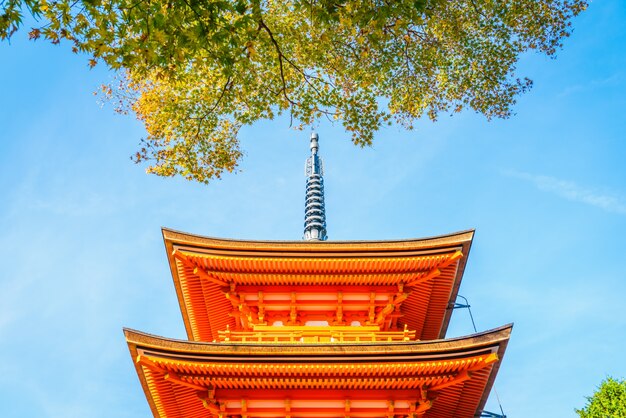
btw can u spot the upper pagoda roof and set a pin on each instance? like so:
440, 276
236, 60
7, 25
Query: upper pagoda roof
205, 269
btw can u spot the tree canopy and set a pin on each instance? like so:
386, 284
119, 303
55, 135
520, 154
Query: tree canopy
609, 401
194, 72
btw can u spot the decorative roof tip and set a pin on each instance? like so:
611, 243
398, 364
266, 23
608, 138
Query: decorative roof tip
314, 210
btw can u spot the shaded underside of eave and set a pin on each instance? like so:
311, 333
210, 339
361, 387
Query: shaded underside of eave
399, 249
459, 401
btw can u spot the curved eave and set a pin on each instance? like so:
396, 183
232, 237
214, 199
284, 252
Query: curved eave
144, 340
431, 246
229, 245
194, 354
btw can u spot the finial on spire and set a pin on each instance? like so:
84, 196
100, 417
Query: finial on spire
314, 142
315, 212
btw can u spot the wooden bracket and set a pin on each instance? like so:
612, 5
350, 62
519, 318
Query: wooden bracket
419, 408
372, 310
287, 408
396, 301
245, 313
339, 314
244, 408
293, 312
211, 405
208, 400
391, 407
261, 313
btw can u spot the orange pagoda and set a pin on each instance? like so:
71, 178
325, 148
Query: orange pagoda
317, 329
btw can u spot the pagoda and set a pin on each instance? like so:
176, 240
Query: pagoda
317, 329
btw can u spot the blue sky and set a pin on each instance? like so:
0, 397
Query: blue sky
545, 190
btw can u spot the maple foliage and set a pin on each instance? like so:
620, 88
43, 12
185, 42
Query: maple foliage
194, 72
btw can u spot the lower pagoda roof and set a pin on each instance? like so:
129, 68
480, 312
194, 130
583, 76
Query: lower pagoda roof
224, 283
435, 379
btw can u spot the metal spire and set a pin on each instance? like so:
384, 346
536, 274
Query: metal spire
314, 211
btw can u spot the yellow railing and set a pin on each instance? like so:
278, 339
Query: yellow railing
315, 335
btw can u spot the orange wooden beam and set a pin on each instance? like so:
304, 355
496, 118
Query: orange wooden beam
197, 270
174, 378
459, 378
145, 361
436, 271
